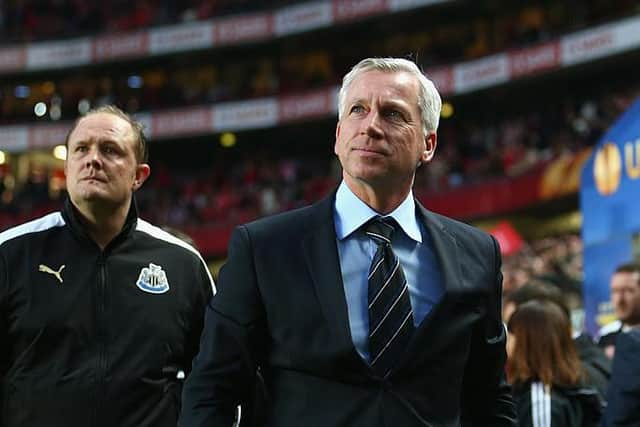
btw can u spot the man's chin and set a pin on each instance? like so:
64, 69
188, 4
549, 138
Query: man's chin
93, 197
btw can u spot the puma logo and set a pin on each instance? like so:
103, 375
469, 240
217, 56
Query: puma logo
49, 270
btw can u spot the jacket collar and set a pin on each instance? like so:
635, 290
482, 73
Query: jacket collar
73, 218
320, 250
446, 249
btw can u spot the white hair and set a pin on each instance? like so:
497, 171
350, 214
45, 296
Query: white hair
429, 101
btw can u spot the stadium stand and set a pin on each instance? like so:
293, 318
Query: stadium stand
268, 73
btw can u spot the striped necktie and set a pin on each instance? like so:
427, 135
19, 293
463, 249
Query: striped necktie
390, 315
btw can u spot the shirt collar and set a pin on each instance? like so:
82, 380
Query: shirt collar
351, 213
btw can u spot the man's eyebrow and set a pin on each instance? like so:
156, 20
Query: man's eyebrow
356, 101
99, 140
395, 103
107, 140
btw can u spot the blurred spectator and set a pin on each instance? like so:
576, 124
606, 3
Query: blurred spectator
596, 365
546, 373
625, 298
556, 260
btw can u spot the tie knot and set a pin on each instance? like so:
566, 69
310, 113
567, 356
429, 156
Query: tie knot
380, 229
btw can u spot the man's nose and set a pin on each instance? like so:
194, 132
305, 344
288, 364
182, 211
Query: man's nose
94, 158
371, 125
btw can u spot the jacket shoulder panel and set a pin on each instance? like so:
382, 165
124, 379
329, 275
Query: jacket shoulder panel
610, 328
44, 223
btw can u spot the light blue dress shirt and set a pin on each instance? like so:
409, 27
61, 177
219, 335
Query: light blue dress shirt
412, 246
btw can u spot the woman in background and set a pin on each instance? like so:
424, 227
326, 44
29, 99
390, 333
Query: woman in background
545, 371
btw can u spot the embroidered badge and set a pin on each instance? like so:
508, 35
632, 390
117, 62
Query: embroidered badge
57, 274
153, 279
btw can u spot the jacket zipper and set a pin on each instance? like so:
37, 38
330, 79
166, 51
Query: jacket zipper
102, 340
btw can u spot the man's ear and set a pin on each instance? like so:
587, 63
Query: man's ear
431, 140
142, 173
335, 146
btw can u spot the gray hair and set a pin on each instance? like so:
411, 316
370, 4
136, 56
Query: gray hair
429, 101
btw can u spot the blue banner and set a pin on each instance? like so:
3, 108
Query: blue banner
610, 205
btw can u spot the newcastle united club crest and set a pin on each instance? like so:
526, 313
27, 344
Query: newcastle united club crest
153, 279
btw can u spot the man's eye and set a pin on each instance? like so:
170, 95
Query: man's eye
357, 109
393, 114
81, 148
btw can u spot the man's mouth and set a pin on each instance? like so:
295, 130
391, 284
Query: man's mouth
369, 151
94, 178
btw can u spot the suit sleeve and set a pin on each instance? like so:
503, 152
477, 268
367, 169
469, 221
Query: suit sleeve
203, 290
223, 372
486, 399
623, 396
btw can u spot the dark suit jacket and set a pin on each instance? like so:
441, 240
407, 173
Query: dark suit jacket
623, 397
596, 364
281, 306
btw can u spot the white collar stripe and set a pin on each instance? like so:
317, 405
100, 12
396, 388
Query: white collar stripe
540, 405
159, 233
609, 328
535, 412
46, 222
547, 404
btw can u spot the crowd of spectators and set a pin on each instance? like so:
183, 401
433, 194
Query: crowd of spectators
290, 65
273, 172
552, 261
31, 20
256, 183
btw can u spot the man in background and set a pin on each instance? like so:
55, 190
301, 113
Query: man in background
625, 298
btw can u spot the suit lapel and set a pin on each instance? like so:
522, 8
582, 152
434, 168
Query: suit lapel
321, 256
446, 249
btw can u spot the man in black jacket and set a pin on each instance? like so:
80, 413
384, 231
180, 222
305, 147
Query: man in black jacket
100, 311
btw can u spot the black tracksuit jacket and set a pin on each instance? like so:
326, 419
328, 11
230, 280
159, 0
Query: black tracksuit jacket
96, 338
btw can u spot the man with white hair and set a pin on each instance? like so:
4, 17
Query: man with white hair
364, 309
